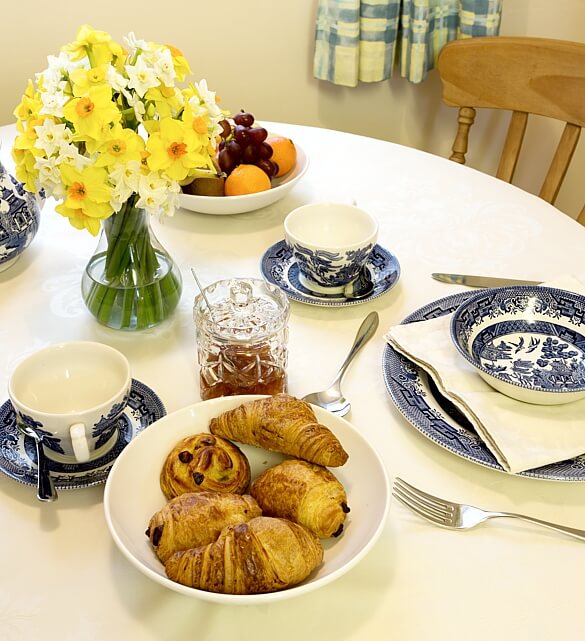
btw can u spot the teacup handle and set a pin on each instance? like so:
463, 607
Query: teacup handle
79, 442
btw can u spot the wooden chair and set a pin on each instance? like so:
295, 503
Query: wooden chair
525, 76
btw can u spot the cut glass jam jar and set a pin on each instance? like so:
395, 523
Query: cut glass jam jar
242, 334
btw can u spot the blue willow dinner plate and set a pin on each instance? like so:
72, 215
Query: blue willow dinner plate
279, 268
424, 407
18, 458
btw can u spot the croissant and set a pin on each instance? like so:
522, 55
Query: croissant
282, 424
304, 493
195, 519
263, 555
204, 462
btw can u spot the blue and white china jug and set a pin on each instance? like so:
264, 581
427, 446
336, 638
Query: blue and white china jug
19, 218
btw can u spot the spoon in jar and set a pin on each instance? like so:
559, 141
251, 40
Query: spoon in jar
332, 399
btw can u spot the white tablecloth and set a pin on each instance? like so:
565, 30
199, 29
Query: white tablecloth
62, 577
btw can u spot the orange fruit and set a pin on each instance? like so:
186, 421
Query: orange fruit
246, 179
284, 153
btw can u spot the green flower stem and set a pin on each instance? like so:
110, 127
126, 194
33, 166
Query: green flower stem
137, 285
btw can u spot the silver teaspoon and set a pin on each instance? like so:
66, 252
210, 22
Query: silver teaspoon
332, 398
361, 287
45, 487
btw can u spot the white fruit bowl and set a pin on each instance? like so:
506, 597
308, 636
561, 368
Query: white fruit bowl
225, 205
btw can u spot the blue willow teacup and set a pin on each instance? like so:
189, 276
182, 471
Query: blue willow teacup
73, 395
331, 243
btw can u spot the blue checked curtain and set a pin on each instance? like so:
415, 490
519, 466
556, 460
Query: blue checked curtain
361, 40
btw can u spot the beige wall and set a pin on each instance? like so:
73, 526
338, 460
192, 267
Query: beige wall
257, 55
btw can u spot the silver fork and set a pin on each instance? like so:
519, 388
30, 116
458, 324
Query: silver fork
459, 516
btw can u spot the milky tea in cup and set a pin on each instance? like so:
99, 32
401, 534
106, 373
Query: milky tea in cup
331, 243
72, 393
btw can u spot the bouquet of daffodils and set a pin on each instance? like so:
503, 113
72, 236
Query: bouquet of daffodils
106, 131
106, 122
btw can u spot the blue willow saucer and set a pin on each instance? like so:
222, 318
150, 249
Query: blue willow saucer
18, 458
279, 268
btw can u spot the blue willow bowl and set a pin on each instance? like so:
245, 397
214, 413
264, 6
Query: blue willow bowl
527, 342
19, 219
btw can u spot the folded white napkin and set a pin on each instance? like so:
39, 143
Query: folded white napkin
521, 436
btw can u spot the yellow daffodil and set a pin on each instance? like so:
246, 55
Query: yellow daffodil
163, 102
91, 112
197, 122
84, 79
98, 46
87, 196
120, 147
30, 105
25, 169
176, 149
180, 63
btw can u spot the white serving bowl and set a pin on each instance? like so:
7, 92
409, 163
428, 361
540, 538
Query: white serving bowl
528, 342
132, 495
225, 205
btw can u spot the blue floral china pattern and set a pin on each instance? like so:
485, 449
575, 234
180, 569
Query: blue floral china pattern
101, 432
18, 454
19, 219
434, 416
330, 269
528, 342
279, 267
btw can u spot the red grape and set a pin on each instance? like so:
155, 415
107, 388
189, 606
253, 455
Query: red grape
268, 166
250, 154
226, 161
241, 134
235, 150
226, 128
264, 151
258, 134
244, 118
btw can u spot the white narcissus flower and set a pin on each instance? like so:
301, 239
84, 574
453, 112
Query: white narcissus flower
153, 192
49, 174
51, 135
136, 104
134, 43
53, 103
163, 66
69, 154
208, 97
59, 66
116, 80
125, 178
141, 76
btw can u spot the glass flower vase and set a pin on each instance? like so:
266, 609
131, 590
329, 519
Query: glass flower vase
131, 282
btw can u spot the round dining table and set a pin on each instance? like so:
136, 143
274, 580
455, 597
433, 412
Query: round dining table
62, 576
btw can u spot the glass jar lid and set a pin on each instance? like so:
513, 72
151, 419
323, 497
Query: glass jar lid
241, 310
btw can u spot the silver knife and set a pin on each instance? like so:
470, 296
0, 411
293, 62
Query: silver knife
481, 281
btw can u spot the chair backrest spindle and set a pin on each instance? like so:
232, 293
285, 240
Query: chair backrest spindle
523, 75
